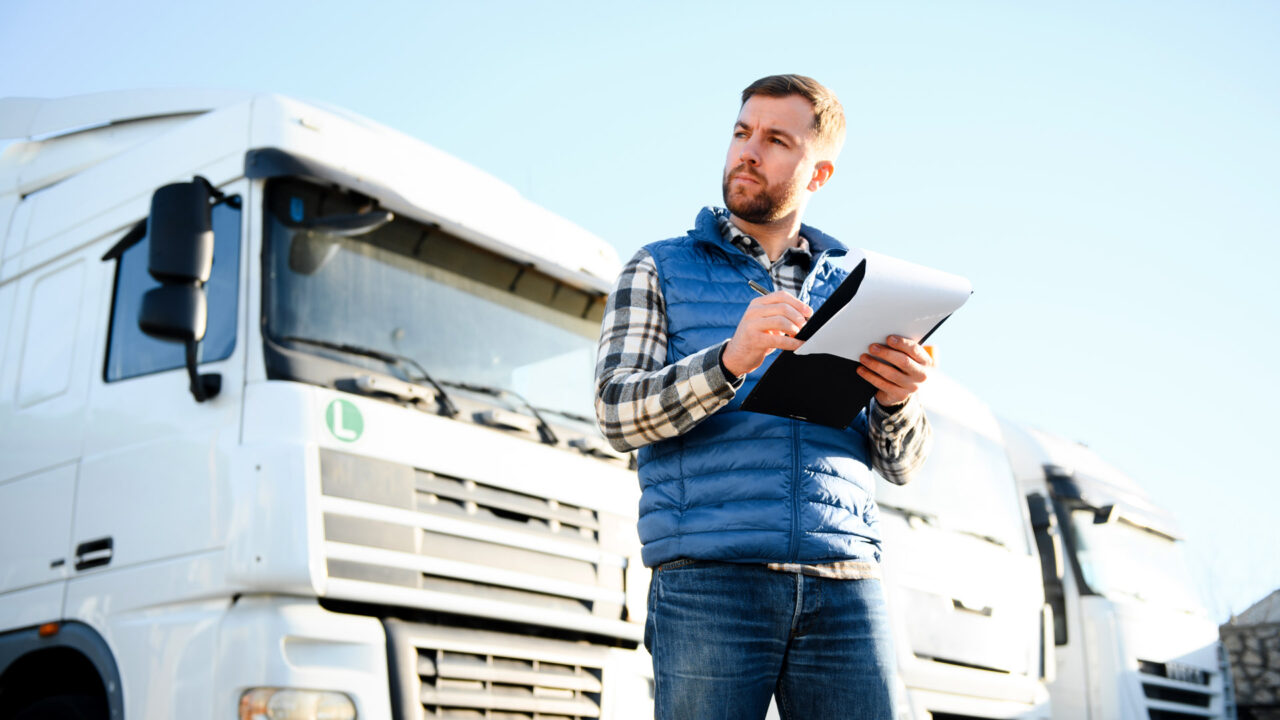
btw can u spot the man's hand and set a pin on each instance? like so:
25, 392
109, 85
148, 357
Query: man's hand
897, 369
769, 324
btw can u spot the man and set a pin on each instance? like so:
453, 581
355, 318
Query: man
761, 530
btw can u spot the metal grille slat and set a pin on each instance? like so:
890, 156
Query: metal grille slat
471, 528
449, 697
483, 607
469, 571
426, 666
1177, 684
1158, 710
1191, 698
462, 490
585, 682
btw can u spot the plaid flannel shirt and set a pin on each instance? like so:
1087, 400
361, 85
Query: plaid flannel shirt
640, 399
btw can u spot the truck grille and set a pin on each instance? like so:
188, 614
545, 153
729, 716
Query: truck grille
443, 672
399, 535
1176, 691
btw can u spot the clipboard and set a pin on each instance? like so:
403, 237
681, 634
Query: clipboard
824, 387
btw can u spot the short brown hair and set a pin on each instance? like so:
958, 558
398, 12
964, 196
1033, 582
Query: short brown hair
828, 114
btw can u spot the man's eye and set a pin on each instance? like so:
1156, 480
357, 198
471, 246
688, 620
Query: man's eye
777, 141
739, 134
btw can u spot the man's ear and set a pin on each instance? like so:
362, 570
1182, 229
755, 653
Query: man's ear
822, 172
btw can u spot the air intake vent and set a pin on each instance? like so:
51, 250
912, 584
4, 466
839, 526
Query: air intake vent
399, 535
1177, 691
1180, 672
444, 672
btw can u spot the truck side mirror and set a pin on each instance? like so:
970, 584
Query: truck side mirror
1106, 514
1052, 567
181, 258
174, 312
181, 233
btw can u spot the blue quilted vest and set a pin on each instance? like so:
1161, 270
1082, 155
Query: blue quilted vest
742, 486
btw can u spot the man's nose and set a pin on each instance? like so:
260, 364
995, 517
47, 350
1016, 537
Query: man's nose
750, 152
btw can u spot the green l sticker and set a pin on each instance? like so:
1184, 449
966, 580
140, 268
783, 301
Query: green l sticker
344, 420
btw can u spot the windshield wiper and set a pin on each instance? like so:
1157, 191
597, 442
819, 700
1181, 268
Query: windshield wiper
932, 519
989, 538
544, 429
442, 398
909, 512
589, 444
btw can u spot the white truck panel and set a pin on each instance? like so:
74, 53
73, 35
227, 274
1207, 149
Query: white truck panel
33, 606
160, 620
49, 343
99, 194
47, 370
265, 554
35, 525
34, 117
36, 165
292, 642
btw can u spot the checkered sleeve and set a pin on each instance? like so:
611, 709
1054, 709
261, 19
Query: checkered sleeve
900, 439
641, 399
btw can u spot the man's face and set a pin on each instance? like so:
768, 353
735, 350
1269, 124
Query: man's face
769, 164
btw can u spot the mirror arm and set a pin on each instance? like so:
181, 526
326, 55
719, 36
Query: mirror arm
219, 197
203, 387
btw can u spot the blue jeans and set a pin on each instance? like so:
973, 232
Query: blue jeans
725, 637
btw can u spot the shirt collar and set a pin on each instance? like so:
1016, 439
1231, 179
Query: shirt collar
732, 234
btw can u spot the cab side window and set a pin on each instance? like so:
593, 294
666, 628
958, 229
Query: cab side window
130, 352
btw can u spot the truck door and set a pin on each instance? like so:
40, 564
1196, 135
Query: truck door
153, 481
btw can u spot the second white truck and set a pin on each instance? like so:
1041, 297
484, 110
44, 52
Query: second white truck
961, 574
1133, 641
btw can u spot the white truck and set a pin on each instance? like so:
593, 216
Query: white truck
295, 422
961, 576
1133, 641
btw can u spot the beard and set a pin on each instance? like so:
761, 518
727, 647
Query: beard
766, 204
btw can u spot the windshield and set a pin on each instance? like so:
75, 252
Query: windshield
464, 313
966, 485
1118, 558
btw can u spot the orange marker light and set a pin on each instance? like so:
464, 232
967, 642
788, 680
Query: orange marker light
49, 629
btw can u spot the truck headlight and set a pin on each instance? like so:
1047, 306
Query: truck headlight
290, 704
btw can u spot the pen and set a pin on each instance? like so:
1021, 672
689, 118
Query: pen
757, 287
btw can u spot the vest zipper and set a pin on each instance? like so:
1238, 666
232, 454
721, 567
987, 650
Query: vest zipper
794, 551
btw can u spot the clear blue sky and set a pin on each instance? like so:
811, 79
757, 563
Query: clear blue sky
1106, 174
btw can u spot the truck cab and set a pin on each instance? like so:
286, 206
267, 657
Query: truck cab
343, 466
1132, 638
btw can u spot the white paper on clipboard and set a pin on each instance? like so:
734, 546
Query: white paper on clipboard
895, 297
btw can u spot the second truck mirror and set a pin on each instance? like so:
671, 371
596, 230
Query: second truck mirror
174, 312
